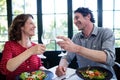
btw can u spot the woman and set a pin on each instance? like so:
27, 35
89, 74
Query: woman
20, 54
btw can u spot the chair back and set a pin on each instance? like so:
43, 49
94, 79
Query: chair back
116, 68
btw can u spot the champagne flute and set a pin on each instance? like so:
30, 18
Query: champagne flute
62, 53
62, 50
46, 40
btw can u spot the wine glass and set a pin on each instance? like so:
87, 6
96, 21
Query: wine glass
46, 40
62, 53
62, 50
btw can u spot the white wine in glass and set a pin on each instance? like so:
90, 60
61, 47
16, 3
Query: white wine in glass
46, 40
62, 53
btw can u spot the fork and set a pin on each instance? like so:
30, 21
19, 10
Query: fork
67, 77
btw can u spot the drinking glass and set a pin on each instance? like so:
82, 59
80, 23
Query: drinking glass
62, 53
62, 50
46, 40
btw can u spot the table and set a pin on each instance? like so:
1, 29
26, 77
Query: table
70, 74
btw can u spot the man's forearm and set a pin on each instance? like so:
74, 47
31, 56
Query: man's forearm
63, 62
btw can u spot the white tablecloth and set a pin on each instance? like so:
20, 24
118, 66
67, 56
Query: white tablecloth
69, 72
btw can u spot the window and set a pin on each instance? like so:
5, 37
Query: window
57, 17
111, 18
3, 24
26, 6
85, 3
54, 20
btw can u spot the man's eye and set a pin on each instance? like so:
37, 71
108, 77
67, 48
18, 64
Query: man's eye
76, 18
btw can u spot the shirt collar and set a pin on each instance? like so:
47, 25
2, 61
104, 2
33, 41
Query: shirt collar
94, 32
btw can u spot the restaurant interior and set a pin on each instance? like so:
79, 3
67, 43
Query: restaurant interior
55, 17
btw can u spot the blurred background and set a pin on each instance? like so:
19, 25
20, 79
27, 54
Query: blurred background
55, 17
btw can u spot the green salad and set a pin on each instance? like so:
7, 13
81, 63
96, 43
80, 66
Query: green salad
34, 75
94, 74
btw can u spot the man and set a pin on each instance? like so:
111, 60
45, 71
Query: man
92, 46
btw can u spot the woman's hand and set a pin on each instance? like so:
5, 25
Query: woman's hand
37, 49
43, 68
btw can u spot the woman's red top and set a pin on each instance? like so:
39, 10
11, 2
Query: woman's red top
13, 49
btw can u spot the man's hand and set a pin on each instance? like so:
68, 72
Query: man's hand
60, 71
67, 44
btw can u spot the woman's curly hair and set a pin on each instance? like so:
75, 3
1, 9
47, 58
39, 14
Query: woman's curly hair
15, 27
